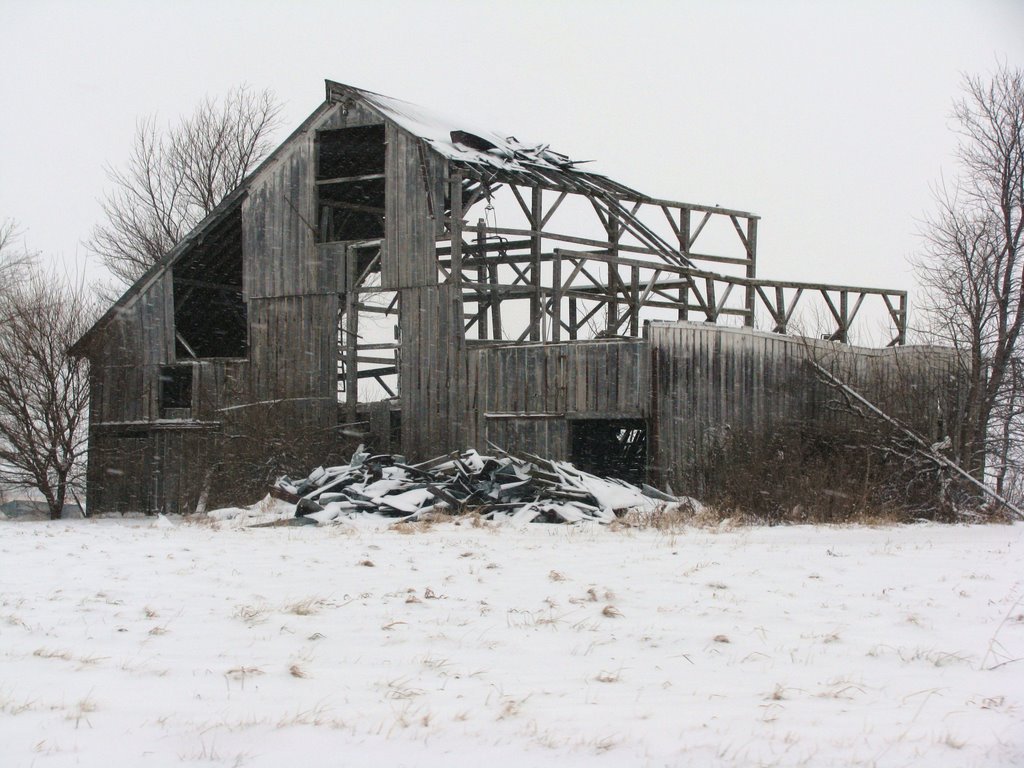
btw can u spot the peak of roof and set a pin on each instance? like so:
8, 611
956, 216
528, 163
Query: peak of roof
457, 139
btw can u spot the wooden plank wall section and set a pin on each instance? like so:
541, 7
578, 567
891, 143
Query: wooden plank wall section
279, 217
432, 372
522, 396
433, 356
138, 470
292, 306
415, 181
711, 385
125, 368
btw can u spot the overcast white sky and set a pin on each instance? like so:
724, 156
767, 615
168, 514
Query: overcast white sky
829, 119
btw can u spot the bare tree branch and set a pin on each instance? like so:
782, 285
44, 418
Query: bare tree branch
44, 392
13, 260
972, 267
176, 175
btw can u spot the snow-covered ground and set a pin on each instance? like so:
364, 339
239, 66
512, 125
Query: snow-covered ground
149, 643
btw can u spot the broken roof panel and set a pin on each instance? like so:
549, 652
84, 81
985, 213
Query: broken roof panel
458, 140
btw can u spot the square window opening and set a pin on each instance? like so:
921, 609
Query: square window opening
350, 183
176, 392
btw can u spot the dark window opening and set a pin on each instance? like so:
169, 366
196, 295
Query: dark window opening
610, 447
350, 183
176, 392
210, 315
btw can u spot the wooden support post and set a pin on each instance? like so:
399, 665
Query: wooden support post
556, 298
614, 230
536, 306
684, 232
634, 301
781, 317
751, 269
573, 321
455, 278
844, 316
901, 330
351, 335
481, 277
495, 298
683, 313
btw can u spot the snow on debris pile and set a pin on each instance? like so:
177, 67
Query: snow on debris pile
505, 487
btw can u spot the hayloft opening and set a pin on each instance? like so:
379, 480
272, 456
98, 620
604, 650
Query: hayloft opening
175, 391
210, 314
350, 183
610, 447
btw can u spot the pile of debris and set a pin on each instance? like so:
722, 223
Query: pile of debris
525, 489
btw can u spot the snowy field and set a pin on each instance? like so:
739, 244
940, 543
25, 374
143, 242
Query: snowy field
147, 643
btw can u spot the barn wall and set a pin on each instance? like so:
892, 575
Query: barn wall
138, 469
712, 386
284, 392
521, 397
125, 367
415, 181
433, 355
432, 371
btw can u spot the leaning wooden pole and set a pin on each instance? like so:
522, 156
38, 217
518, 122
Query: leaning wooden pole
922, 445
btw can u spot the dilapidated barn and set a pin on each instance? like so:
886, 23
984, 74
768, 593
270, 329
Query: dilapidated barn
399, 278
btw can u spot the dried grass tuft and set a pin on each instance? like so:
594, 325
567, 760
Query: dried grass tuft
307, 607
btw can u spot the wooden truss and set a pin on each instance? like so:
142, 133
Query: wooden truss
519, 284
569, 281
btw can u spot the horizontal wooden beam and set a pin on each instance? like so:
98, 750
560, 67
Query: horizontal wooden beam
348, 179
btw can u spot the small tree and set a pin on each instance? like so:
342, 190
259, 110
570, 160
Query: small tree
44, 392
973, 266
12, 261
176, 175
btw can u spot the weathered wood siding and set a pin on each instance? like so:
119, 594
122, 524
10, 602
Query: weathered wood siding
415, 181
433, 357
432, 371
522, 396
125, 369
136, 469
713, 384
288, 382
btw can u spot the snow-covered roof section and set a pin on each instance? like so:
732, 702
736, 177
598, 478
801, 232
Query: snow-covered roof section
457, 139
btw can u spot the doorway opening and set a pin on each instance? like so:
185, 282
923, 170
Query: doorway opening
610, 447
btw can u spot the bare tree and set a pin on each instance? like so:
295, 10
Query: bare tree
43, 390
176, 175
972, 267
12, 259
